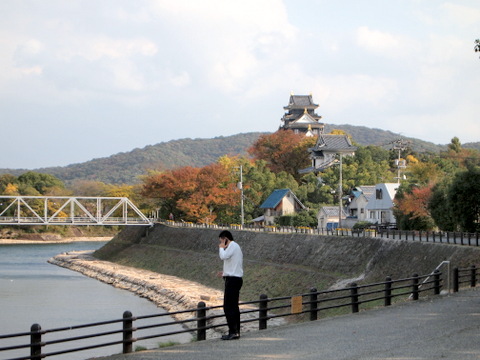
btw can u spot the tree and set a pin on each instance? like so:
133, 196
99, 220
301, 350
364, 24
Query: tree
411, 207
455, 145
283, 151
423, 173
461, 197
33, 183
169, 187
88, 188
214, 196
439, 207
5, 180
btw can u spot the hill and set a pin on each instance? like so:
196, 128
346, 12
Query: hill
125, 168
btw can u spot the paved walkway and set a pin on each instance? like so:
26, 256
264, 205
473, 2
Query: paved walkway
443, 327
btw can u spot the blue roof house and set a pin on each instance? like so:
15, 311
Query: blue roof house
280, 202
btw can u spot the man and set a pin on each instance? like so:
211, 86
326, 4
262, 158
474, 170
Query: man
232, 257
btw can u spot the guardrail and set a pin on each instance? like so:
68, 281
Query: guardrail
315, 304
442, 237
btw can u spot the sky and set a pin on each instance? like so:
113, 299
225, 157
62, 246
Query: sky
83, 79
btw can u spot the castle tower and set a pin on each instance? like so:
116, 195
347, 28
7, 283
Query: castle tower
300, 116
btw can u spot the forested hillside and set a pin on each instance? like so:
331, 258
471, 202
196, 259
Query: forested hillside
125, 168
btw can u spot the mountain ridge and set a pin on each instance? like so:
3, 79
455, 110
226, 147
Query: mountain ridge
127, 167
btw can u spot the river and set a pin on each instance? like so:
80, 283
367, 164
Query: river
34, 291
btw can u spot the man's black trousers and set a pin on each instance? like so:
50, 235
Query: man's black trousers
231, 297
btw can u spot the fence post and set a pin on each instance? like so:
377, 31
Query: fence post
263, 312
354, 297
201, 321
473, 280
455, 279
313, 304
436, 282
35, 342
415, 287
127, 332
388, 291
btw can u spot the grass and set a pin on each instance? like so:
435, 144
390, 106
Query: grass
271, 279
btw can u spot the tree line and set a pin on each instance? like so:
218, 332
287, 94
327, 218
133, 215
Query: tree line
438, 191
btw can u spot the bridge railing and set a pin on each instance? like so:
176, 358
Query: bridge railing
308, 306
69, 210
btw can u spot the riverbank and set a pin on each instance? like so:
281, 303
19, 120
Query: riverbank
55, 240
167, 292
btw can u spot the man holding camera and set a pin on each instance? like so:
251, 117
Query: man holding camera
231, 254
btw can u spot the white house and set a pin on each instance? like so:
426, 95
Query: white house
356, 209
380, 204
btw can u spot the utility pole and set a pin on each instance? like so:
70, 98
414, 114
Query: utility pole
340, 190
240, 186
400, 145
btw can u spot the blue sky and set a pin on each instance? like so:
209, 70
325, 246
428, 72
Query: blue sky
87, 79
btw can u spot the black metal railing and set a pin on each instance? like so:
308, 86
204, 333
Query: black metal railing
442, 237
315, 304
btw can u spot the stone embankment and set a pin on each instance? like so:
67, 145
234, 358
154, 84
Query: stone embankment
168, 292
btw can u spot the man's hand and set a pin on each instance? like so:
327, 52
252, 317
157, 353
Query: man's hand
222, 243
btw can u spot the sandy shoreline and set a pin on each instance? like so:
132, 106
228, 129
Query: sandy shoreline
59, 241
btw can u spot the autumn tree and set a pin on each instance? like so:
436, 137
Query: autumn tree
283, 151
411, 208
169, 187
214, 195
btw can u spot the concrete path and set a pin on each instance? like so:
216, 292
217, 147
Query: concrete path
443, 327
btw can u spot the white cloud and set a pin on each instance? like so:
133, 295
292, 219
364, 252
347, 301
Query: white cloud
462, 15
231, 41
94, 48
179, 80
385, 43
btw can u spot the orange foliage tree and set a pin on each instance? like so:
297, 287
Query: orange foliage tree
193, 194
415, 203
283, 151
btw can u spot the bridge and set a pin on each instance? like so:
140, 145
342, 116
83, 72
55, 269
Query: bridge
69, 210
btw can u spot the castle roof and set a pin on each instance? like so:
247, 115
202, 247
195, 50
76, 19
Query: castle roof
330, 143
301, 102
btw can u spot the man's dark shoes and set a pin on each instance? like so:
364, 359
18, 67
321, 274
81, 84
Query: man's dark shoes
231, 337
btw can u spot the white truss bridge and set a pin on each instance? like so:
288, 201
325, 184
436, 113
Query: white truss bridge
67, 210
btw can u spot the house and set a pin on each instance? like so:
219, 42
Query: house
280, 202
356, 208
324, 153
380, 204
300, 116
328, 217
